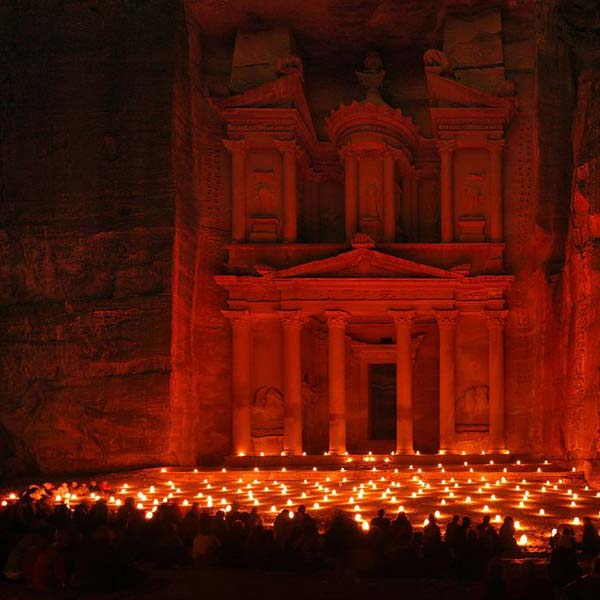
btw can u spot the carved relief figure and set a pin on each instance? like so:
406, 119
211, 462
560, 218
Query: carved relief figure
267, 412
472, 409
473, 194
372, 201
265, 199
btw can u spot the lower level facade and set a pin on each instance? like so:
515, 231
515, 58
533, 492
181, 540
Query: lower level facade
365, 350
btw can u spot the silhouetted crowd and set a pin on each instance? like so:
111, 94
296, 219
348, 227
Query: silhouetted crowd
49, 546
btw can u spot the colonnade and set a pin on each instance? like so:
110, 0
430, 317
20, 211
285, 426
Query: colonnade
337, 322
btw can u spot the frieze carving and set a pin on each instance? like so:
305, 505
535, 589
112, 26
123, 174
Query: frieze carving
352, 293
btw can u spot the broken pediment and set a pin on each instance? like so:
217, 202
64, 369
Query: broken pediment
366, 262
446, 92
275, 96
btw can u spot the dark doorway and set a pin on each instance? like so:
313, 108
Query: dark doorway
426, 390
382, 401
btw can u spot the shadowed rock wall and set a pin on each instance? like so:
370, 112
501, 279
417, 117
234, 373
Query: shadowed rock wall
86, 230
578, 24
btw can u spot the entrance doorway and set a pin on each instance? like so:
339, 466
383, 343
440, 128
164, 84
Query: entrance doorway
382, 402
426, 391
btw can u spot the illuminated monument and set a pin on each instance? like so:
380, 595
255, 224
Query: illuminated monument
321, 227
365, 275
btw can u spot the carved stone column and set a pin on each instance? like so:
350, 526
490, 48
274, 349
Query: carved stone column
336, 323
238, 149
446, 148
292, 380
241, 341
389, 212
497, 205
312, 204
288, 151
446, 320
495, 322
403, 320
414, 194
351, 192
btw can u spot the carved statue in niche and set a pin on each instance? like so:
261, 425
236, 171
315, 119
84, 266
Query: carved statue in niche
264, 195
473, 194
372, 201
472, 409
471, 224
267, 412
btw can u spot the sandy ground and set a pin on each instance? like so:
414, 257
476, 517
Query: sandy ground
191, 584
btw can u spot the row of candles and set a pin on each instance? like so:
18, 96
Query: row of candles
419, 492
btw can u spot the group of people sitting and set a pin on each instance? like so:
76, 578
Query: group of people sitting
50, 546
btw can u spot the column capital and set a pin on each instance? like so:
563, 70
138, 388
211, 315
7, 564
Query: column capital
337, 318
291, 318
348, 150
496, 318
237, 146
496, 145
238, 317
402, 317
446, 146
446, 318
286, 146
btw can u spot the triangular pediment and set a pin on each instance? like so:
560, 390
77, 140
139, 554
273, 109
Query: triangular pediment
366, 263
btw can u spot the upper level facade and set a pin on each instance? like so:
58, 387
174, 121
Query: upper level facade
297, 197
